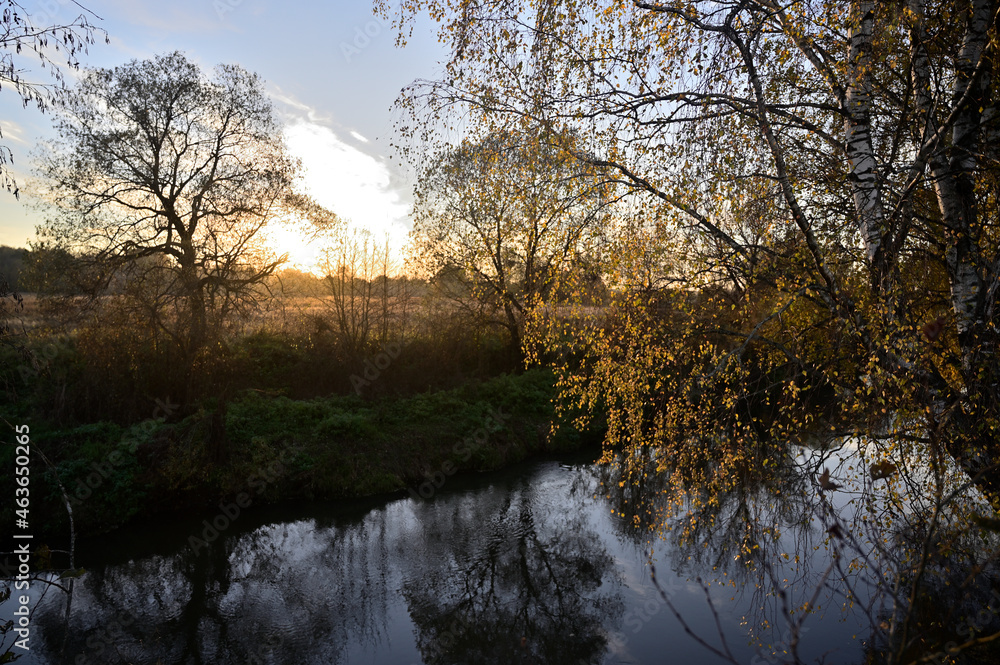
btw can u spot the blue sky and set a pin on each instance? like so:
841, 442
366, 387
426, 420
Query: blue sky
332, 69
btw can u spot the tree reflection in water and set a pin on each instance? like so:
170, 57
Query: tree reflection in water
290, 593
516, 582
497, 575
891, 555
526, 569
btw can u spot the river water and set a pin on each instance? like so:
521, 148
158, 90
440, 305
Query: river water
536, 564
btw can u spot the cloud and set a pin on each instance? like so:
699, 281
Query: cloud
13, 132
298, 108
357, 186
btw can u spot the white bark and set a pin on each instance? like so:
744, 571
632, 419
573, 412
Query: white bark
920, 82
857, 129
954, 173
967, 124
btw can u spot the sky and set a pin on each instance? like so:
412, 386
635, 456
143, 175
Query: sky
331, 68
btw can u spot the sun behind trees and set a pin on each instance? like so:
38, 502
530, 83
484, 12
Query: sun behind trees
162, 180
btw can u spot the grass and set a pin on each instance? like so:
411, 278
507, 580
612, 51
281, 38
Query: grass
274, 448
275, 412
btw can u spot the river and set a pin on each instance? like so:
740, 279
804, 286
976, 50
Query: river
536, 564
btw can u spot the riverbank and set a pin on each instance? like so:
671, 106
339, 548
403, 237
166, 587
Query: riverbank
263, 448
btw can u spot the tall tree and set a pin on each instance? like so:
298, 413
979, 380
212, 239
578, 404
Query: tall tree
508, 215
360, 290
872, 126
166, 177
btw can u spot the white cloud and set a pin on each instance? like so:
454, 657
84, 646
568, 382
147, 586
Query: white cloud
359, 136
352, 183
278, 95
11, 131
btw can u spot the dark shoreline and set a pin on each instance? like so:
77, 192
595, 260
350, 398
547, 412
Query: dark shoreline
272, 450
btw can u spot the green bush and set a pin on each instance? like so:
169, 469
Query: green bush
328, 446
101, 475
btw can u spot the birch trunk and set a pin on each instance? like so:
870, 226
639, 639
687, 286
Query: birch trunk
863, 173
954, 173
955, 169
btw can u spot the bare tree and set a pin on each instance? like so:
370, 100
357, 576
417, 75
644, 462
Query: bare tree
507, 215
166, 177
366, 297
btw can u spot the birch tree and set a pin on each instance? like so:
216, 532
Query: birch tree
823, 176
509, 216
873, 125
23, 33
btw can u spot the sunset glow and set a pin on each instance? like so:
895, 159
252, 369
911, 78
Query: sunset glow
304, 252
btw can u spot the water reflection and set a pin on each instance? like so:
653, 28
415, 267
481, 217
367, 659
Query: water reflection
539, 565
295, 592
825, 534
516, 582
505, 573
758, 542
